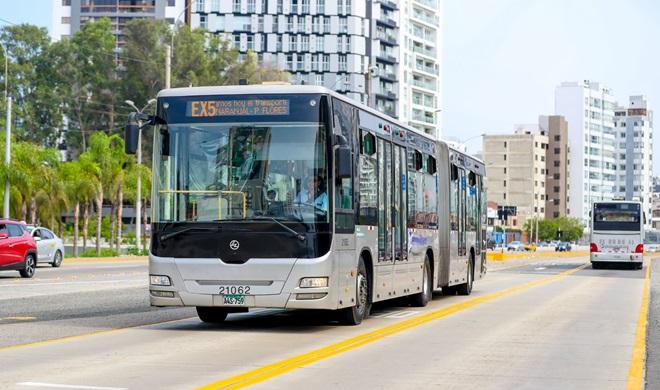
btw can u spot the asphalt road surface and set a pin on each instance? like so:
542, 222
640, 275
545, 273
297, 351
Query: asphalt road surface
533, 324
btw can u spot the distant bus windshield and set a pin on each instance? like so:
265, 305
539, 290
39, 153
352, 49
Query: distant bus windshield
617, 216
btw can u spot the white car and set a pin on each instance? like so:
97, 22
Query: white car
50, 248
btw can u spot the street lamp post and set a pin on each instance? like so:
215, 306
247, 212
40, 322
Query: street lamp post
138, 191
5, 205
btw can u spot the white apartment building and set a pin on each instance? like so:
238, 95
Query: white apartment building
387, 50
68, 16
589, 110
634, 142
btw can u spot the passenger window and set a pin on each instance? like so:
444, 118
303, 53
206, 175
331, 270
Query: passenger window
47, 235
14, 230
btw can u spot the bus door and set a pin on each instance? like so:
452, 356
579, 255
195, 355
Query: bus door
399, 221
385, 215
461, 264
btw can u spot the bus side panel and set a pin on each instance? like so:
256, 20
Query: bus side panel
367, 239
343, 251
442, 260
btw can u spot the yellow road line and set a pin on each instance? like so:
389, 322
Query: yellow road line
636, 372
278, 368
81, 336
18, 318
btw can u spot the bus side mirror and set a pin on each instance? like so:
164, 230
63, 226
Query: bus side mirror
131, 134
343, 166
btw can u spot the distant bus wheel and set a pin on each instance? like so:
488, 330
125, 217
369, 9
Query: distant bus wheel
211, 315
355, 314
595, 265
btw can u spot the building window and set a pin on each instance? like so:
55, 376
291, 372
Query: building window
305, 6
326, 25
320, 6
66, 20
557, 150
320, 43
326, 63
504, 169
343, 25
557, 163
342, 63
305, 43
504, 183
280, 6
251, 6
67, 3
557, 138
319, 79
294, 6
505, 144
237, 6
505, 157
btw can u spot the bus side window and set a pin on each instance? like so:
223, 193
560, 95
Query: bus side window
345, 120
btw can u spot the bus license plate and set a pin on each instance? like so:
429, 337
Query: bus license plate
234, 299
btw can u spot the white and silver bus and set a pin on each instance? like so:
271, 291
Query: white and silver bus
296, 197
617, 233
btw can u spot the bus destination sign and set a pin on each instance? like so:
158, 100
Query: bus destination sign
246, 107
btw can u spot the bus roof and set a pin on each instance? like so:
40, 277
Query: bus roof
293, 89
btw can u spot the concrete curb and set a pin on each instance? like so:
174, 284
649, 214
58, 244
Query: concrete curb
116, 259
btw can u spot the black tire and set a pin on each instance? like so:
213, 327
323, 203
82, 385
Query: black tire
212, 315
355, 314
57, 260
29, 267
596, 265
422, 299
466, 288
449, 290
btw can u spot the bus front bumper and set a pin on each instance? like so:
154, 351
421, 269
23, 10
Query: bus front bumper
617, 257
274, 283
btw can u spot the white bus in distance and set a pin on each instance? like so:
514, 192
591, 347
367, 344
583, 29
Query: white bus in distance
617, 233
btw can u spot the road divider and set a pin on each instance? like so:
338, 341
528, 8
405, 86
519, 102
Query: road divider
503, 256
281, 367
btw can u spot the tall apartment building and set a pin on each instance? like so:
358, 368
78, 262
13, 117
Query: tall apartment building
589, 110
516, 171
634, 148
70, 15
387, 50
557, 165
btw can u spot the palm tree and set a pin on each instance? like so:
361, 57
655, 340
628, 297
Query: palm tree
80, 186
107, 154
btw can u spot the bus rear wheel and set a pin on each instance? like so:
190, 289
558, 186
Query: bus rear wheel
212, 315
466, 288
355, 314
422, 299
596, 265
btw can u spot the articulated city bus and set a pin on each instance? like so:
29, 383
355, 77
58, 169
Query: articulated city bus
617, 233
296, 197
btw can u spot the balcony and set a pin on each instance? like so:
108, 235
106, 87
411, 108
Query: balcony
431, 20
387, 22
386, 94
389, 5
424, 118
387, 39
425, 85
428, 3
427, 69
387, 58
423, 51
387, 76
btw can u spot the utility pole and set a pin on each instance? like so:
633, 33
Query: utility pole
168, 66
5, 208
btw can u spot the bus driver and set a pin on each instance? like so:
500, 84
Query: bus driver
315, 191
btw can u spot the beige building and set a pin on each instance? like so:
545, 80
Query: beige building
516, 171
557, 165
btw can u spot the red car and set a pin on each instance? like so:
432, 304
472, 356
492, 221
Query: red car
18, 251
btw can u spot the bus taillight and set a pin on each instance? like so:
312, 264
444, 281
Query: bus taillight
639, 248
593, 248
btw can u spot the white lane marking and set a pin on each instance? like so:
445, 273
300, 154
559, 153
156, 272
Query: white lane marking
539, 268
394, 314
81, 282
58, 386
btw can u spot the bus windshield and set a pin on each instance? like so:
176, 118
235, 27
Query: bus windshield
617, 216
241, 171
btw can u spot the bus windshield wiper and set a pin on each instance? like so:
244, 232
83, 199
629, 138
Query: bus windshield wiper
167, 236
267, 218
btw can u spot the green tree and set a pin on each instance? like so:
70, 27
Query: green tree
86, 81
36, 109
79, 185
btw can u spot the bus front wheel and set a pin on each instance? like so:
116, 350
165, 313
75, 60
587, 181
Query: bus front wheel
211, 315
355, 314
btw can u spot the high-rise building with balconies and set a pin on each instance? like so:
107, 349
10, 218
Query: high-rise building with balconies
69, 16
384, 53
589, 110
634, 148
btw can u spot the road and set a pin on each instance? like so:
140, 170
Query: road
534, 324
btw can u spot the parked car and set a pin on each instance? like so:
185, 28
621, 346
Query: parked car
515, 246
50, 248
18, 251
563, 247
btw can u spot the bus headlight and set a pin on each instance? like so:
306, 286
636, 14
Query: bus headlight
159, 280
313, 282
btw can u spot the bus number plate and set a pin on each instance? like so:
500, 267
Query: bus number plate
234, 290
234, 299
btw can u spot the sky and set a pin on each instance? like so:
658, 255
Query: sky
502, 59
